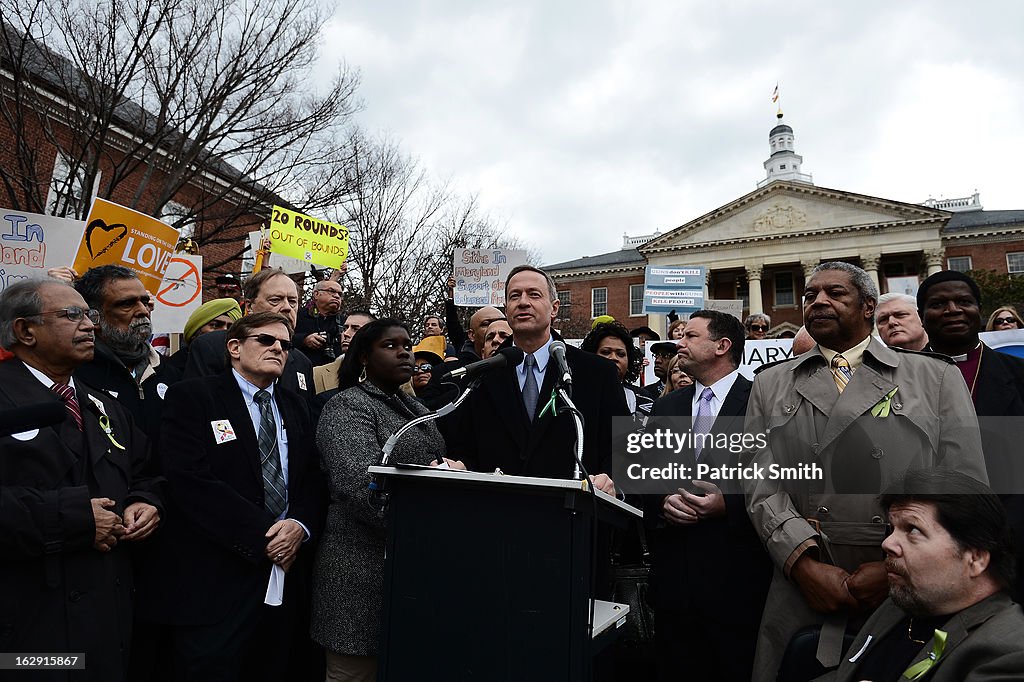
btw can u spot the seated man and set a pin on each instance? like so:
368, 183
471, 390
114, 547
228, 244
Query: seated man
949, 563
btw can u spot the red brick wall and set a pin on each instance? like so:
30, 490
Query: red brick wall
985, 256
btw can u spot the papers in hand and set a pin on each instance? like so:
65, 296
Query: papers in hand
275, 587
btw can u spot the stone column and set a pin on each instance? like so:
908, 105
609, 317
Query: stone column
870, 264
808, 266
754, 289
934, 259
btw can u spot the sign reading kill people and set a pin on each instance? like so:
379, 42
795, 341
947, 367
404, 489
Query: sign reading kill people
31, 244
117, 235
480, 275
308, 239
679, 289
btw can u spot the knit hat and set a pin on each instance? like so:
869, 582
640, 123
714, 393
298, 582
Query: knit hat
602, 319
945, 276
207, 312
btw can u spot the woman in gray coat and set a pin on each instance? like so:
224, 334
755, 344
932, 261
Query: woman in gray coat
354, 426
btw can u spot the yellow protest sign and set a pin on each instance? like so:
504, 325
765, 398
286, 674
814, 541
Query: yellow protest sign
308, 239
116, 235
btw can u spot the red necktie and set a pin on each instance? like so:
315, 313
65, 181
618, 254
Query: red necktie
67, 394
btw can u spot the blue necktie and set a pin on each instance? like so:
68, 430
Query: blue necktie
705, 418
530, 390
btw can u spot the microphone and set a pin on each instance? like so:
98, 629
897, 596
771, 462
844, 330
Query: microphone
28, 417
506, 356
557, 350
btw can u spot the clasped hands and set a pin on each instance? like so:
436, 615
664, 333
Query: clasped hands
139, 522
828, 589
283, 541
685, 508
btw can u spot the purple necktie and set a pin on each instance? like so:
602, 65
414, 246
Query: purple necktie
705, 418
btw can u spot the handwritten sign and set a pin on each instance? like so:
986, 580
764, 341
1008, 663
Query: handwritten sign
308, 239
116, 235
480, 275
179, 295
31, 244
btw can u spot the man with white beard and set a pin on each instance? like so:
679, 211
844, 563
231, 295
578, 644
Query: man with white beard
125, 365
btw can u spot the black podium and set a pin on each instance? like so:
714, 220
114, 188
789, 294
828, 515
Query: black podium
487, 577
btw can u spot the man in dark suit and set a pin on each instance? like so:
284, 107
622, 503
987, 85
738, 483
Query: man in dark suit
709, 573
245, 502
269, 290
73, 498
950, 305
507, 424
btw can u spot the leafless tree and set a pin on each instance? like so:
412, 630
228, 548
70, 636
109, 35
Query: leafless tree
404, 229
201, 109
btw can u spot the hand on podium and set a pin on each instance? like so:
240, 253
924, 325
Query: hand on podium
603, 483
452, 464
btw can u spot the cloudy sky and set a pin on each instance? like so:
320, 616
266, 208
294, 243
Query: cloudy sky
575, 122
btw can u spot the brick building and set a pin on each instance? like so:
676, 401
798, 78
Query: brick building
215, 204
761, 247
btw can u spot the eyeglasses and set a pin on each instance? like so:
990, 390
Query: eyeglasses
75, 314
1005, 320
759, 327
269, 340
330, 292
422, 369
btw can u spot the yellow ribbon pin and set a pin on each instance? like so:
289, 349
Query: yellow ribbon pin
884, 406
105, 425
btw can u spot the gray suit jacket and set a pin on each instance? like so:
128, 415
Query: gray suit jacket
983, 644
931, 422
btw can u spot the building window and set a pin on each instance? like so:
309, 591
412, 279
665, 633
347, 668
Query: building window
743, 292
599, 301
636, 299
180, 218
1015, 263
65, 196
959, 263
782, 166
564, 301
784, 294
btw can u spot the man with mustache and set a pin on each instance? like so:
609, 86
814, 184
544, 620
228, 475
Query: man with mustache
950, 564
73, 498
863, 414
125, 365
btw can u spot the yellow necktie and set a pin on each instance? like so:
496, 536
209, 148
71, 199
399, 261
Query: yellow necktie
841, 372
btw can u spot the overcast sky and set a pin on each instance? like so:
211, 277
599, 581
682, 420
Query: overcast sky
578, 121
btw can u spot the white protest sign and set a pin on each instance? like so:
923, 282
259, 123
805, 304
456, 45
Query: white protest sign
763, 352
727, 306
31, 244
180, 293
480, 275
292, 266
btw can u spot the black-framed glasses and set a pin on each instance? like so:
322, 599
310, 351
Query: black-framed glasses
269, 340
1005, 320
75, 313
331, 292
759, 327
425, 367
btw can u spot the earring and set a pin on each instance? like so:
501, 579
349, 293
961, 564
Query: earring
362, 375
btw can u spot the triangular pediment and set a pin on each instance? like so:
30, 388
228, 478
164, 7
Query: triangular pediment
783, 209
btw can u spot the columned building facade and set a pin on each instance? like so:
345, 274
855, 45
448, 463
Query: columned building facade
761, 247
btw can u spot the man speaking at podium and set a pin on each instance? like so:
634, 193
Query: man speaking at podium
509, 422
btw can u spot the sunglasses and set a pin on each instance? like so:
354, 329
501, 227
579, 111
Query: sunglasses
75, 314
269, 340
759, 327
1006, 320
425, 367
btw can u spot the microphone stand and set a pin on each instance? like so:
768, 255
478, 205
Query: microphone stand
577, 475
377, 495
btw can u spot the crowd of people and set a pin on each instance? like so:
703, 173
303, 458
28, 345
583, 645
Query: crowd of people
204, 516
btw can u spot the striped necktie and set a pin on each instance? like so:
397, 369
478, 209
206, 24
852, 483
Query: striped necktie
275, 493
67, 394
841, 371
702, 424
